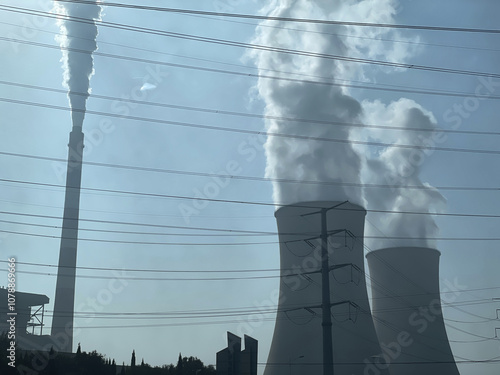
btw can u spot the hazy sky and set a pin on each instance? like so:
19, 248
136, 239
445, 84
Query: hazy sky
188, 312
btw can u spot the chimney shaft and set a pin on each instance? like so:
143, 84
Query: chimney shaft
62, 321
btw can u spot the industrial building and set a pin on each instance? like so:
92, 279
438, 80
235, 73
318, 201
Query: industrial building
234, 361
29, 320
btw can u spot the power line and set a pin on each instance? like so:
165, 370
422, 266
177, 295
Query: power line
234, 233
227, 278
266, 117
490, 216
142, 242
388, 88
250, 178
287, 19
149, 271
147, 214
238, 44
190, 314
254, 132
415, 363
149, 233
363, 84
159, 243
412, 42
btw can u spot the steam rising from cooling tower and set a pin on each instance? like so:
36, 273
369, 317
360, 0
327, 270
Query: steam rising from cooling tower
401, 168
342, 164
298, 158
342, 161
78, 42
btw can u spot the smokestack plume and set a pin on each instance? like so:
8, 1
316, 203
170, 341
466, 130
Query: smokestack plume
78, 42
78, 68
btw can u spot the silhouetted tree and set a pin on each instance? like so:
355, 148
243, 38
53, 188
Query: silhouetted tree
94, 363
132, 361
52, 365
180, 368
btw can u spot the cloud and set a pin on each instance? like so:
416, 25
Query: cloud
147, 86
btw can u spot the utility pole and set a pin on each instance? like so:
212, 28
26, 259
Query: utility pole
325, 299
325, 292
498, 313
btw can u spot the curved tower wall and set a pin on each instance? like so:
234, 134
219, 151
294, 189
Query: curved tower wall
407, 311
297, 342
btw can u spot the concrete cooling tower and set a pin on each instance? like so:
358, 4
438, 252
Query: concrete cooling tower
407, 312
297, 342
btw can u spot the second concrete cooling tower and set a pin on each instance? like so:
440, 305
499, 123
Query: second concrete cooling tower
407, 312
297, 342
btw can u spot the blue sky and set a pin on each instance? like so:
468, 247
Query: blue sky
43, 132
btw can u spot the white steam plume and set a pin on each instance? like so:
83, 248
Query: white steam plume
400, 168
78, 66
340, 162
306, 159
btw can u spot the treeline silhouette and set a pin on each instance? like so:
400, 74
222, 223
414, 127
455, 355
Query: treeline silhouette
84, 363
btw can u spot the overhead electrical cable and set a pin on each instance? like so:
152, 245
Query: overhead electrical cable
253, 132
445, 214
377, 87
286, 19
236, 235
190, 271
262, 25
193, 244
250, 178
242, 45
255, 115
149, 271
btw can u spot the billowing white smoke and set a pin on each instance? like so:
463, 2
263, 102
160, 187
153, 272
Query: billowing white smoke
298, 159
400, 169
78, 66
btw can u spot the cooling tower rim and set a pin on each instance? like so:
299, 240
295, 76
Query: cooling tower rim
345, 206
403, 249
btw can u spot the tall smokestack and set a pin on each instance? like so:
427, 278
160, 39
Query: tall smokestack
297, 341
62, 322
407, 311
78, 42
